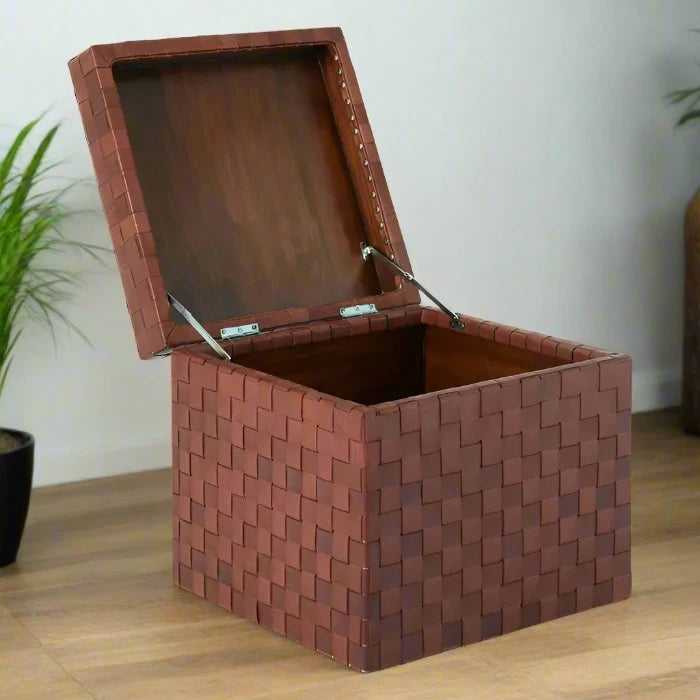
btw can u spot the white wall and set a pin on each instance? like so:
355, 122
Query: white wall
531, 158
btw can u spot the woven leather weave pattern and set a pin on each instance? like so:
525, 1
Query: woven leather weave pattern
382, 534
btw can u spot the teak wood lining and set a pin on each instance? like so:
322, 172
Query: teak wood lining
368, 369
455, 359
245, 182
396, 364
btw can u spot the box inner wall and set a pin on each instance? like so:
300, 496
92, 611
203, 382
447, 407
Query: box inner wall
395, 364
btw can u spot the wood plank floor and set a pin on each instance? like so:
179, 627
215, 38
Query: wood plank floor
90, 609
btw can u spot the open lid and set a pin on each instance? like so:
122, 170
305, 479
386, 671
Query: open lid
238, 174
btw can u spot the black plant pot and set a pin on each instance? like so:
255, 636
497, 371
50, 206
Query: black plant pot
16, 469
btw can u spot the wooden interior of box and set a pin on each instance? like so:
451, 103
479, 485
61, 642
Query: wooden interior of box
394, 364
245, 181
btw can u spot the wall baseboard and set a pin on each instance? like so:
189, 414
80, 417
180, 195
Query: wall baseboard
656, 389
62, 466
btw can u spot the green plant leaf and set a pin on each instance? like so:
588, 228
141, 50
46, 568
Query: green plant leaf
33, 283
28, 178
680, 95
688, 116
9, 159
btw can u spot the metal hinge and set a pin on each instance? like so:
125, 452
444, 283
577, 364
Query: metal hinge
368, 250
239, 331
358, 310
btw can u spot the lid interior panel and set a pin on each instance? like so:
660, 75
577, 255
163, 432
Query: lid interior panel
244, 178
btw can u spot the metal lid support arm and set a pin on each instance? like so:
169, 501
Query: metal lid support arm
199, 328
368, 250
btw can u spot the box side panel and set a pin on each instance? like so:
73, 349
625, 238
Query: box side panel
270, 504
500, 506
120, 192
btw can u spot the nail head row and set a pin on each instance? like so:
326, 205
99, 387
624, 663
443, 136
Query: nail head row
361, 147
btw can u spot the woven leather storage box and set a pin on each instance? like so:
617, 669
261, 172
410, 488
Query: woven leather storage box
375, 479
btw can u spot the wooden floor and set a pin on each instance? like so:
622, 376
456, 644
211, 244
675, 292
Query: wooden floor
90, 609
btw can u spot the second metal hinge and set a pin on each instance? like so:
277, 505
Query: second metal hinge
357, 310
239, 331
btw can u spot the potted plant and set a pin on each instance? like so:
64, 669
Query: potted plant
32, 286
690, 398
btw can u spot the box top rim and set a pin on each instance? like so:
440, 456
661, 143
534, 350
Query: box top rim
572, 356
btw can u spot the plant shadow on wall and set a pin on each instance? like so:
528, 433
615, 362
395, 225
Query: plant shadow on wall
690, 398
34, 285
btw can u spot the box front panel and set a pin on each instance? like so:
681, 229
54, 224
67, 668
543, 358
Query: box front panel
499, 506
270, 503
